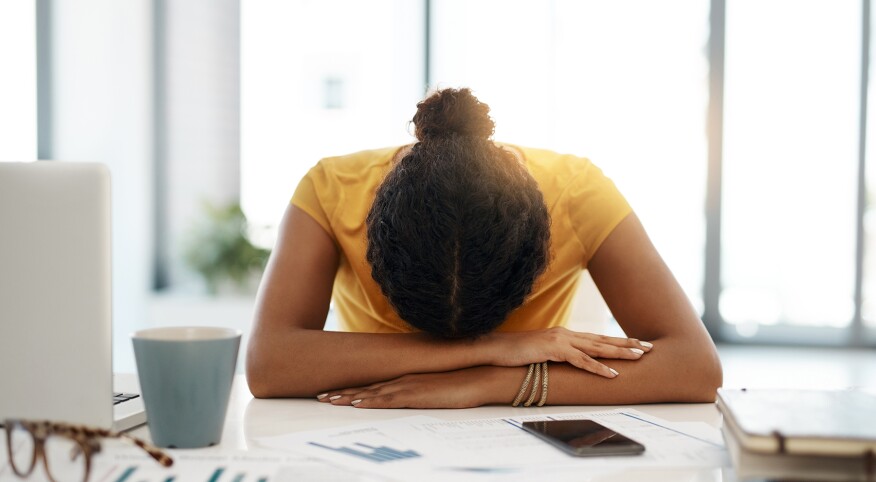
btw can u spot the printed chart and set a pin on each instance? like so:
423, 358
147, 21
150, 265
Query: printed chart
428, 448
378, 455
119, 462
137, 473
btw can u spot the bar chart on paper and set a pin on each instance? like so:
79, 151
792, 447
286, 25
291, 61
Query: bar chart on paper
120, 463
379, 454
139, 473
221, 467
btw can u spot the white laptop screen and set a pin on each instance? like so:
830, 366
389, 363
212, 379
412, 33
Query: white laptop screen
55, 292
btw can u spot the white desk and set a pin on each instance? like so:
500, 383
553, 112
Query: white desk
249, 419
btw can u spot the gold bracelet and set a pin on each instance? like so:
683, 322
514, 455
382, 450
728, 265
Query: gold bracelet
544, 384
524, 386
535, 385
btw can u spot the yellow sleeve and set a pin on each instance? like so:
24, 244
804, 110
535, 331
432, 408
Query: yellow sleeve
595, 207
309, 195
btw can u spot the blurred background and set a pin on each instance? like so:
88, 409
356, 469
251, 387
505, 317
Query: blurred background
738, 131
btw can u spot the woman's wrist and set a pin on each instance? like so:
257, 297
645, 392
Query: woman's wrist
498, 349
500, 384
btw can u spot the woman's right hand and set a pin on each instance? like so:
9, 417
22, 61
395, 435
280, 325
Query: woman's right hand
563, 345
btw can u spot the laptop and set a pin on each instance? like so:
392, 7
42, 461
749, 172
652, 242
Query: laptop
56, 297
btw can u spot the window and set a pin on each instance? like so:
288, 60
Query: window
591, 79
626, 84
18, 127
792, 94
869, 217
315, 83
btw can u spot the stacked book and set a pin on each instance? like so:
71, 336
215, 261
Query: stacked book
800, 434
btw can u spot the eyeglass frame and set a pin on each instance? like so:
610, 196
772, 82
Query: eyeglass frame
86, 438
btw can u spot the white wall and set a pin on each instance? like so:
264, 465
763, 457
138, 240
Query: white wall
200, 119
102, 92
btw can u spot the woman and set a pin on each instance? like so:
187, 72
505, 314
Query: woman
453, 263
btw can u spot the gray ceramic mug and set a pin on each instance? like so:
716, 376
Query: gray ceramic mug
185, 380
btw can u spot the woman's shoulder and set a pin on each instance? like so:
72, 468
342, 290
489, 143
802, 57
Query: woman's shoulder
351, 174
359, 161
554, 170
575, 189
551, 158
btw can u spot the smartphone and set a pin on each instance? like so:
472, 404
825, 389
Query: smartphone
584, 438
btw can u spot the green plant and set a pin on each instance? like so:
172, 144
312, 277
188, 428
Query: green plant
219, 248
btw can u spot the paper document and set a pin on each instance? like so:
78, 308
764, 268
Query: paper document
119, 462
431, 448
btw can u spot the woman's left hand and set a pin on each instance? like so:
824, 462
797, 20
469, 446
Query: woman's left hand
466, 388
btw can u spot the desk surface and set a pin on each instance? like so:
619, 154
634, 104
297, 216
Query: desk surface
249, 419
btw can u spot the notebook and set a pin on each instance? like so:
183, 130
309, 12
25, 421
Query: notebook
836, 423
758, 465
56, 296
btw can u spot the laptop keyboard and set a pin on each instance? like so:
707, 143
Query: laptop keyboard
123, 397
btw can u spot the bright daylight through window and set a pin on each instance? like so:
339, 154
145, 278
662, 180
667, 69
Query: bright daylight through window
18, 125
632, 94
790, 164
579, 80
316, 84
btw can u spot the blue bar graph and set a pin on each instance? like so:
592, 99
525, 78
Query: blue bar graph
372, 454
216, 474
136, 473
127, 473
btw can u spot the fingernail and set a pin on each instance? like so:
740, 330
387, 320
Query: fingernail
320, 397
334, 398
646, 344
637, 351
354, 402
613, 371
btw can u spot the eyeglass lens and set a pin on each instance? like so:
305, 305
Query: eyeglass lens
21, 447
64, 457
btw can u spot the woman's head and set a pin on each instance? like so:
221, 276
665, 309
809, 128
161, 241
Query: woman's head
458, 231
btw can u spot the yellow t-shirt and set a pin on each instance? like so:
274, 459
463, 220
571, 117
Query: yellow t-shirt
585, 206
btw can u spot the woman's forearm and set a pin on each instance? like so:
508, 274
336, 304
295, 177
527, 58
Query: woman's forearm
304, 363
674, 371
298, 362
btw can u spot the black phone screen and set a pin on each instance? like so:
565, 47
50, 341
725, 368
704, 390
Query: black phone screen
584, 437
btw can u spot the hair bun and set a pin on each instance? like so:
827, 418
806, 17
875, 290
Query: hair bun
453, 111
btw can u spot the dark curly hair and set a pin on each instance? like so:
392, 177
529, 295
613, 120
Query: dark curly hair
459, 230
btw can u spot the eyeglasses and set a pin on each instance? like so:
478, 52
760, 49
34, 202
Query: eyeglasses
68, 447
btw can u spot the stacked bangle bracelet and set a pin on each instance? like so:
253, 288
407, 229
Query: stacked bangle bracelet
541, 377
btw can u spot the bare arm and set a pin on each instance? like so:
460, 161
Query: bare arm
647, 302
290, 355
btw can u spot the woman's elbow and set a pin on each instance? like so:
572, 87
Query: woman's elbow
259, 389
708, 378
256, 378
